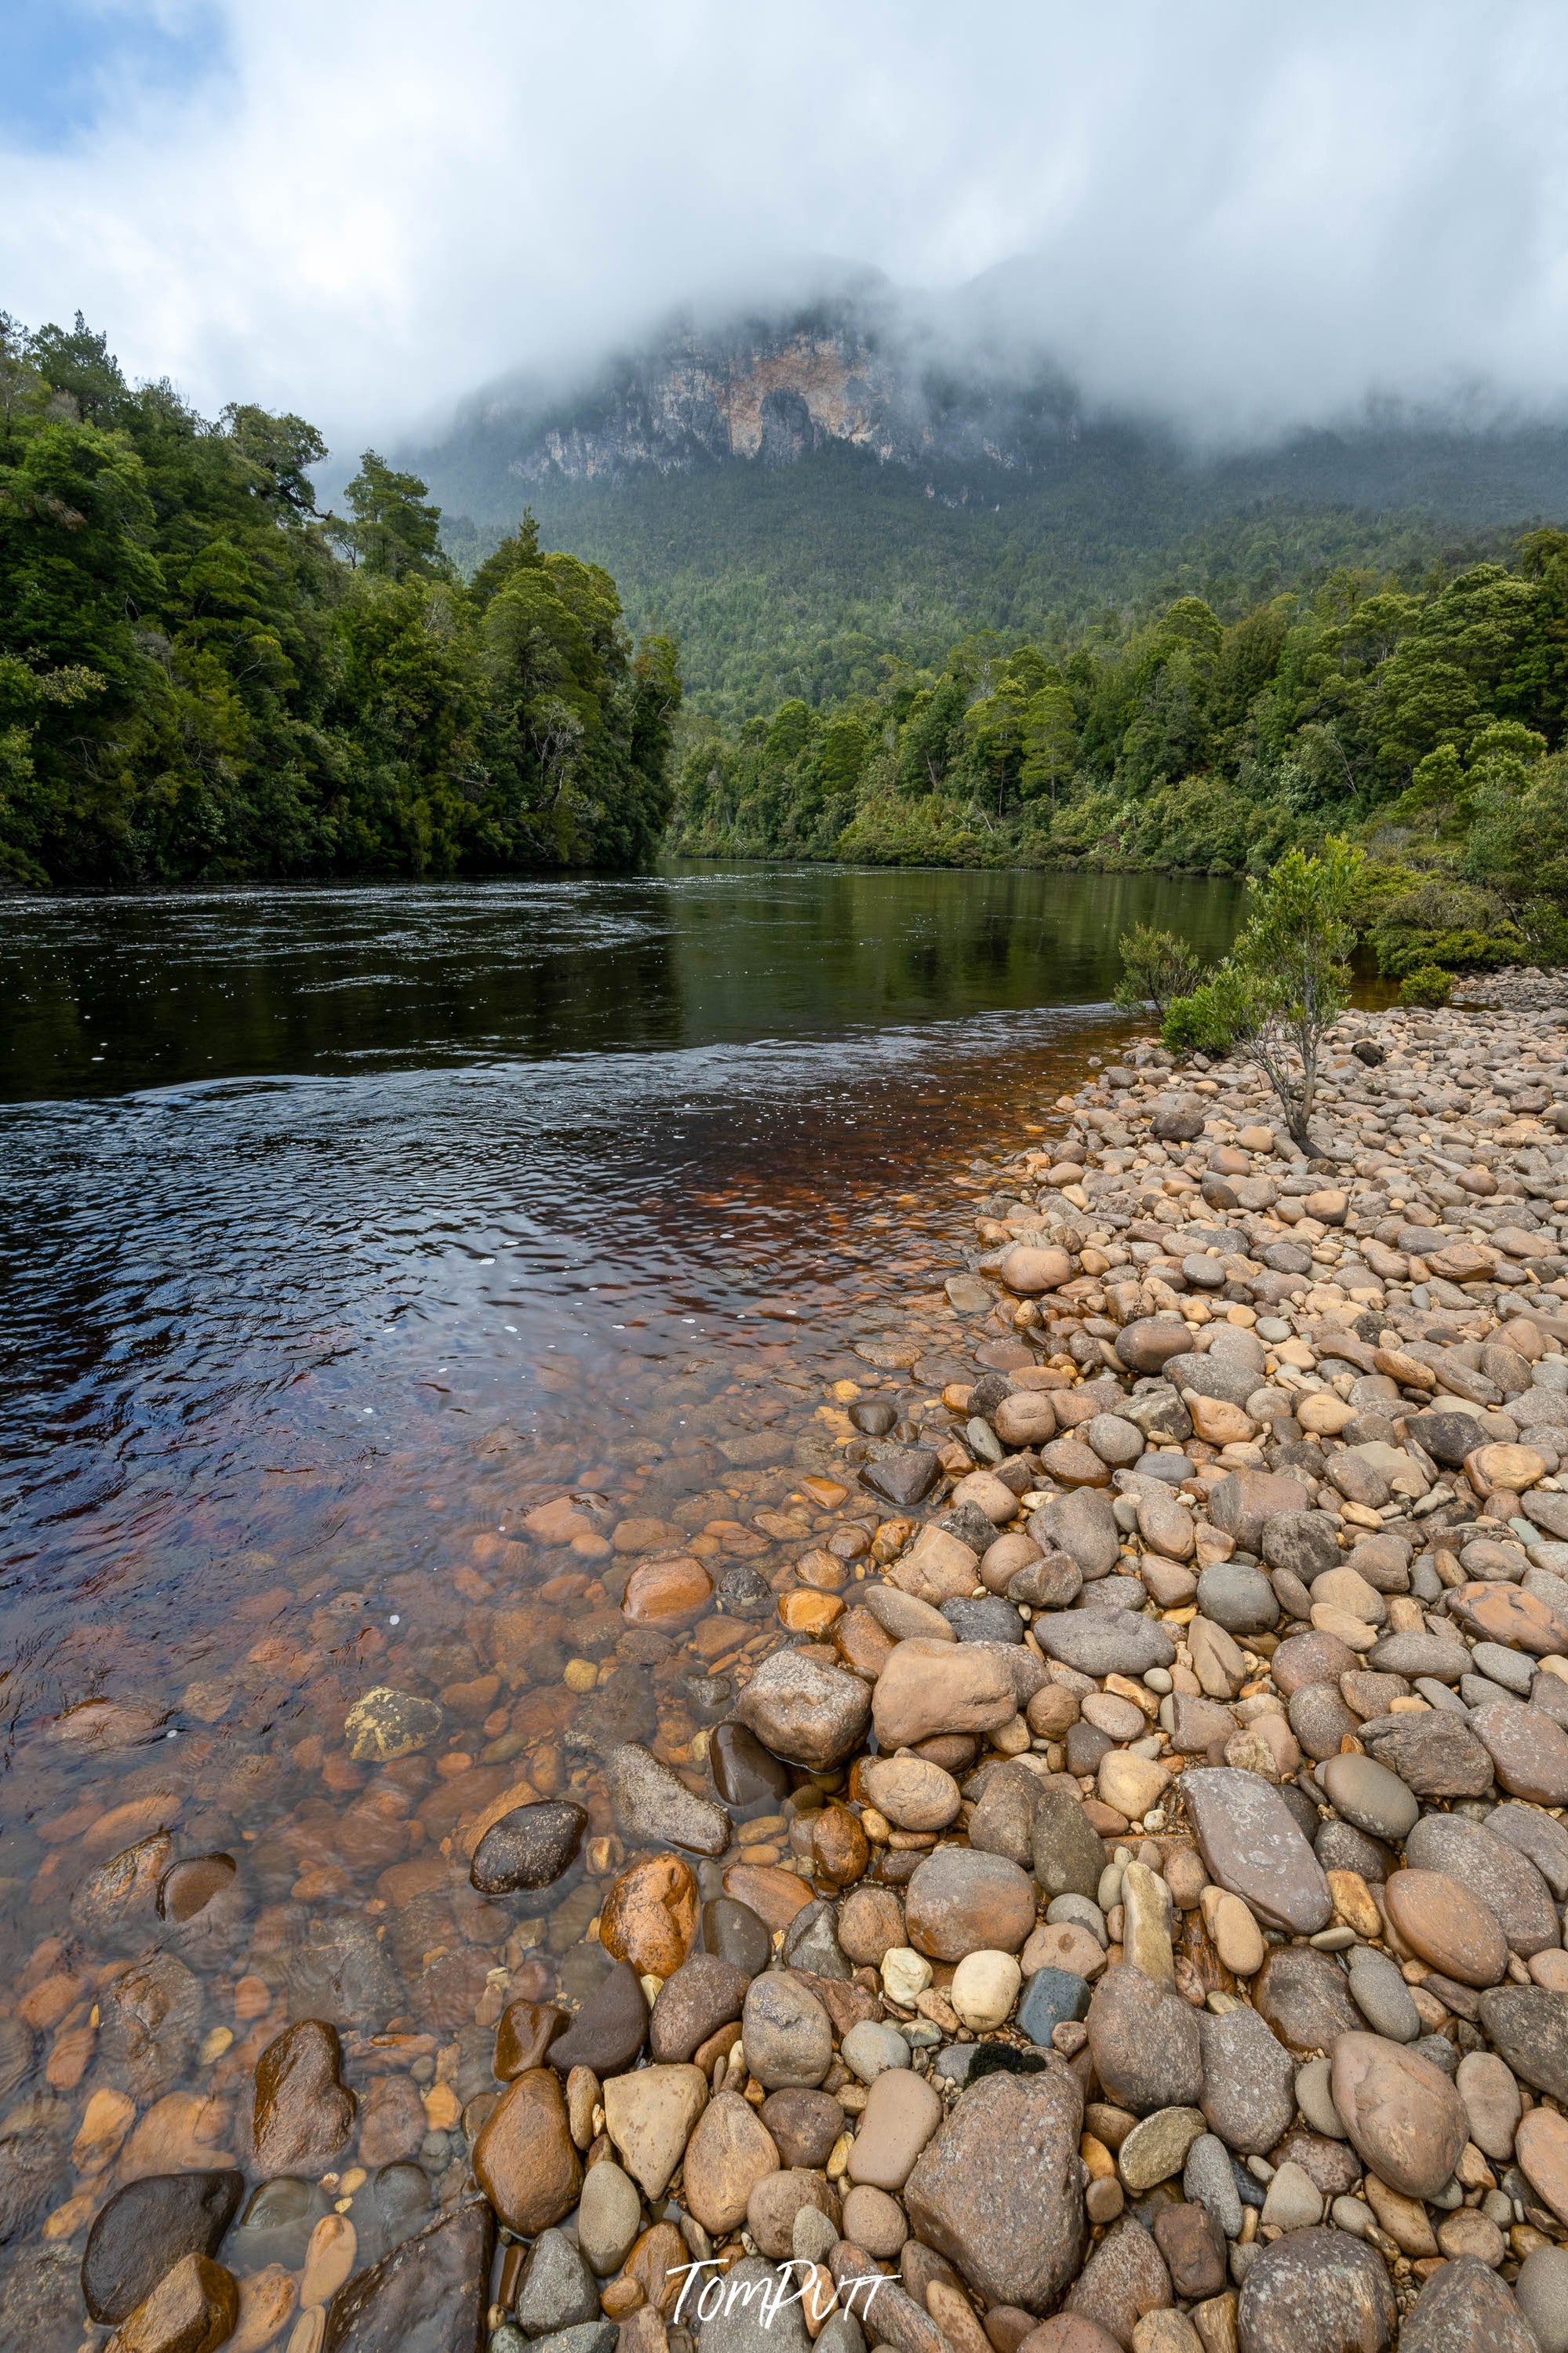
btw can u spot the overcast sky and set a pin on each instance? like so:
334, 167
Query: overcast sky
362, 209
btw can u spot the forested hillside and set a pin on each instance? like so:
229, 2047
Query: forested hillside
202, 678
1429, 720
801, 496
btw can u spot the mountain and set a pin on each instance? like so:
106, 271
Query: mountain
806, 494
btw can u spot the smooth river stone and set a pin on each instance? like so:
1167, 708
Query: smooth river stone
1125, 2281
705, 1993
1143, 2039
746, 1777
1316, 2291
1434, 1754
1377, 1801
145, 2230
1099, 1642
961, 1902
1541, 2147
729, 2152
1495, 1872
530, 1847
913, 1794
1251, 1846
1509, 1615
649, 2116
811, 1715
1403, 2117
1528, 1751
901, 2113
609, 2029
927, 1688
1446, 1926
302, 2116
429, 2293
1466, 2308
1249, 2081
788, 2034
1305, 1998
652, 1807
1544, 1842
523, 2158
1528, 2027
996, 2192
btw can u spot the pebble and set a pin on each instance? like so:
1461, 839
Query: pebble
913, 1794
1316, 2291
1369, 1796
926, 1689
302, 2113
1144, 2042
610, 2028
1252, 1846
652, 1807
1463, 2306
1496, 1874
1541, 2145
522, 2157
705, 1993
1157, 2147
1248, 2096
872, 2047
146, 2229
960, 1901
609, 2217
1528, 2027
1403, 2117
1207, 2177
1382, 1995
729, 2152
1542, 2293
1124, 2279
530, 1847
995, 2190
1444, 1925
901, 2113
804, 2126
810, 1715
984, 1987
874, 2220
788, 2033
650, 1916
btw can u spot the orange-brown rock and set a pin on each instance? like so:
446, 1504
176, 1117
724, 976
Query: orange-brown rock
839, 1848
523, 2158
668, 1592
774, 1895
525, 2033
651, 1915
193, 2309
1446, 1926
303, 2115
805, 1612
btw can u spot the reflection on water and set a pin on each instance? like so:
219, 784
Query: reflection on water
339, 1230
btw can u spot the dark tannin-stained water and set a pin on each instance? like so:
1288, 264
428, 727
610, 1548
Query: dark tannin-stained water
340, 1229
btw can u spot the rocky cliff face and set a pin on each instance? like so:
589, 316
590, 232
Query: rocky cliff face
769, 393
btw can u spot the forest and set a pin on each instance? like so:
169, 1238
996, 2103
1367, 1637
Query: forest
1426, 721
203, 678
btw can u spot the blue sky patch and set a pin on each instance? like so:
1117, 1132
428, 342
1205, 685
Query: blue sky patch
66, 64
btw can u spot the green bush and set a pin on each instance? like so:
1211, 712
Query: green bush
1429, 985
1156, 967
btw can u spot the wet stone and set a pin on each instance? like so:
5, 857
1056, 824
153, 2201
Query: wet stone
386, 1724
530, 1847
608, 2031
146, 2228
427, 2296
653, 1808
150, 2013
734, 1932
746, 1777
523, 2158
303, 2115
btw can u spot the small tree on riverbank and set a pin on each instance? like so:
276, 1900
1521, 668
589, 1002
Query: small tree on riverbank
1156, 968
1285, 982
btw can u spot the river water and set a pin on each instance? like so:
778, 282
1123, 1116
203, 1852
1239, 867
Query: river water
341, 1227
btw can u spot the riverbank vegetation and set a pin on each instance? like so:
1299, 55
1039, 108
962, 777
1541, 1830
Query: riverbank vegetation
203, 678
1426, 724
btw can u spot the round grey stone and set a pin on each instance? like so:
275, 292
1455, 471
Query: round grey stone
1370, 1796
870, 2048
1207, 2181
1382, 1995
1242, 1600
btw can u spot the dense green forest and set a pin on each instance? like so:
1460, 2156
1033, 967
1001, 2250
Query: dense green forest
203, 678
802, 579
1428, 722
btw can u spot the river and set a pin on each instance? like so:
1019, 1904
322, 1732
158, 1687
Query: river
341, 1227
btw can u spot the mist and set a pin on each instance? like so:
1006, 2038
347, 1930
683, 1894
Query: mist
1236, 222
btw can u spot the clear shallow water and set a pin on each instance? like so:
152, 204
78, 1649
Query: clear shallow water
338, 1228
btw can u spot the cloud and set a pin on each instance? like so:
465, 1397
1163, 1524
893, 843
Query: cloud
364, 210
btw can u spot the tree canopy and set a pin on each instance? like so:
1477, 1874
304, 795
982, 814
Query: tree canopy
203, 678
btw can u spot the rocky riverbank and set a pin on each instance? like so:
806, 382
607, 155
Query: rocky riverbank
1101, 1885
